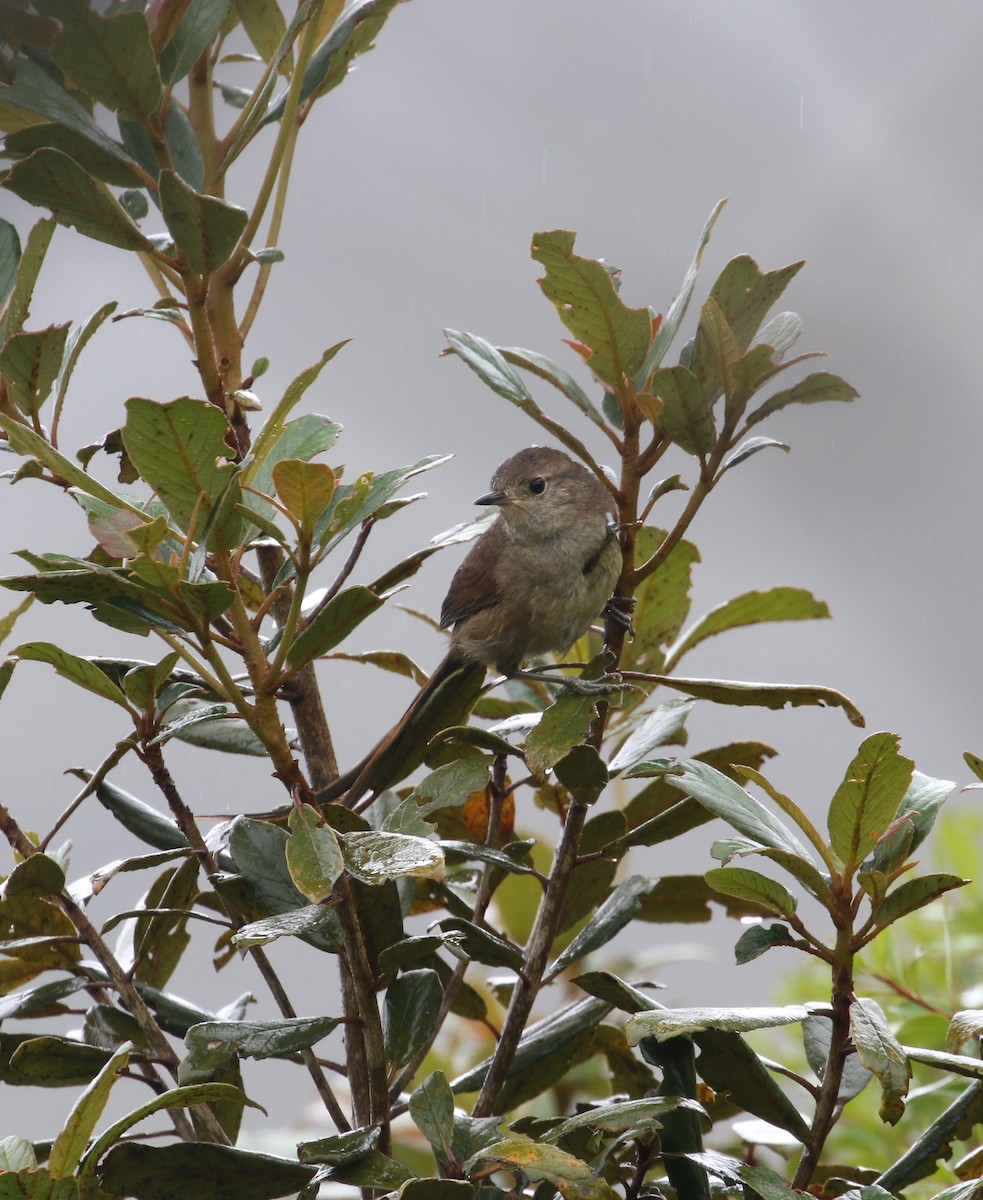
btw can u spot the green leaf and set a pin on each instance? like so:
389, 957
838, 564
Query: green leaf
18, 1004
202, 21
30, 362
264, 26
140, 819
109, 58
572, 1176
431, 1106
867, 800
679, 1022
376, 857
17, 1154
728, 800
314, 856
685, 411
351, 35
205, 228
352, 504
563, 725
677, 310
546, 369
542, 1040
205, 1171
480, 944
880, 1052
79, 670
493, 369
663, 600
7, 623
751, 608
339, 1148
821, 385
759, 939
617, 911
305, 488
587, 302
659, 727
410, 1014
749, 447
303, 438
70, 1144
180, 449
751, 885
9, 259
912, 895
26, 441
36, 91
343, 613
78, 337
765, 695
50, 179
213, 1044
745, 294
620, 1117
313, 920
38, 875
56, 1062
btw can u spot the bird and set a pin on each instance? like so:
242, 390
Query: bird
532, 584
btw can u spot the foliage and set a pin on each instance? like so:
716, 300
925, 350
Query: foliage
217, 559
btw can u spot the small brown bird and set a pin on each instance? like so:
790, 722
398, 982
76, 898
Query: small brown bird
531, 585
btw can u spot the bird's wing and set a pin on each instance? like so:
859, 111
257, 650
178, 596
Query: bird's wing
473, 588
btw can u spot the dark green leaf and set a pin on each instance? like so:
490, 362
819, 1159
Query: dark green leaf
352, 34
55, 1062
109, 58
307, 922
205, 1171
432, 1108
617, 911
542, 1040
410, 1014
480, 944
201, 22
821, 385
339, 1148
140, 819
748, 447
50, 179
758, 939
17, 1004
343, 613
205, 228
213, 1043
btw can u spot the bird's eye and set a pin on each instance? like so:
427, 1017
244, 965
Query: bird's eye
537, 486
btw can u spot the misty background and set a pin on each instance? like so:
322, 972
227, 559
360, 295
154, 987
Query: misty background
844, 134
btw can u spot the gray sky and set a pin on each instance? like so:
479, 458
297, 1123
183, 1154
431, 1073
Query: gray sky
844, 134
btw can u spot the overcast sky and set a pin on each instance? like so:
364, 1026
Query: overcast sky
844, 134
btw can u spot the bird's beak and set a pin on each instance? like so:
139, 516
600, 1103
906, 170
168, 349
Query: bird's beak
498, 497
